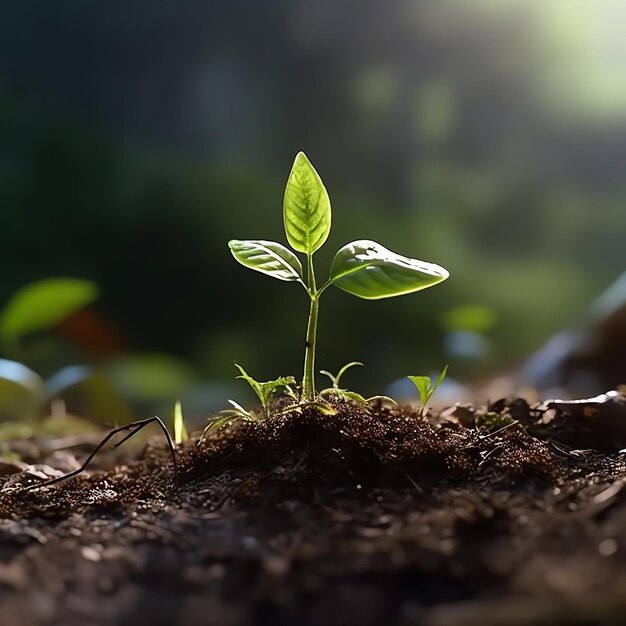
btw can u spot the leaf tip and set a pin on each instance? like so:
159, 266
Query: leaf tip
445, 274
301, 156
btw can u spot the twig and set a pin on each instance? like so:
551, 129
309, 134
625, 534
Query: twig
499, 430
488, 455
134, 428
415, 485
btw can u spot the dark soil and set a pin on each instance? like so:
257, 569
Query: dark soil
509, 515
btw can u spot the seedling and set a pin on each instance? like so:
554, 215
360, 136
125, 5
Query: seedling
425, 389
180, 432
335, 390
334, 379
264, 392
363, 268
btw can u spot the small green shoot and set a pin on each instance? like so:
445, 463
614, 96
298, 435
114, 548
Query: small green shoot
363, 268
264, 392
337, 377
180, 432
425, 389
335, 390
227, 417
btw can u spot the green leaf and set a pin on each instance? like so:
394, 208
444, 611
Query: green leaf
267, 257
353, 395
344, 394
269, 387
44, 304
238, 409
337, 377
306, 207
366, 269
423, 386
440, 378
180, 432
344, 369
322, 407
382, 399
215, 423
256, 387
264, 390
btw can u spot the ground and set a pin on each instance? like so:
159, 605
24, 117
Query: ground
507, 515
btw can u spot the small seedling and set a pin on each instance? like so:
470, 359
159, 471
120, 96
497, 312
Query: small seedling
180, 432
264, 392
335, 390
334, 379
425, 389
363, 268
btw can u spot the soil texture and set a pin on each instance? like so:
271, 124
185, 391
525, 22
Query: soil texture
509, 514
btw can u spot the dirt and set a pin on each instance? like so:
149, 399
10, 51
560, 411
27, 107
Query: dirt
508, 514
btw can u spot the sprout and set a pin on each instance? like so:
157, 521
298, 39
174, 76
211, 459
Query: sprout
363, 268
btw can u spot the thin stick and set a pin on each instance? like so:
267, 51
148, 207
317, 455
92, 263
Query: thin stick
134, 428
496, 432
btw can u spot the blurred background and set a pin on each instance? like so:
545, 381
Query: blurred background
138, 138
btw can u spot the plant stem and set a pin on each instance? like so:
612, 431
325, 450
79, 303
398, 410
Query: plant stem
308, 381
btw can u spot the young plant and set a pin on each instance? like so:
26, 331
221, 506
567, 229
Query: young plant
180, 432
345, 393
263, 391
363, 268
334, 379
425, 389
